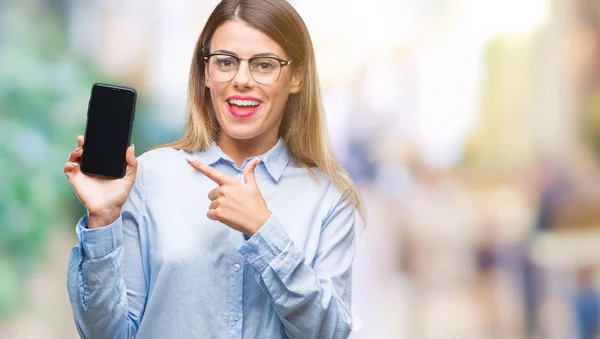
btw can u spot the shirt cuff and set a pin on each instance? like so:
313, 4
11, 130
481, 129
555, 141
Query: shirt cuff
98, 242
265, 245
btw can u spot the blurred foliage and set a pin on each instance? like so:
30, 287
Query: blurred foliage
44, 90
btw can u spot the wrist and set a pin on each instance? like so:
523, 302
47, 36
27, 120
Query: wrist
102, 218
258, 224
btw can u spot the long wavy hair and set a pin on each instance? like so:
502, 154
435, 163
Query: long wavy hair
303, 128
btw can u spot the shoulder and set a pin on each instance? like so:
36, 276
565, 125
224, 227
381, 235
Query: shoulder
162, 161
313, 177
161, 156
316, 180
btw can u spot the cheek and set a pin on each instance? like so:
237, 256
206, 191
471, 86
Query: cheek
216, 91
279, 92
279, 99
214, 100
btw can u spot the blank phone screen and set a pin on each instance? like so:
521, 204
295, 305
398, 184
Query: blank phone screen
108, 129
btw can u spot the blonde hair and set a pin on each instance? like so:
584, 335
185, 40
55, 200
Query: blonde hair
303, 128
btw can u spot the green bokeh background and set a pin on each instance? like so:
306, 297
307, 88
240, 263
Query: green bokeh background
44, 90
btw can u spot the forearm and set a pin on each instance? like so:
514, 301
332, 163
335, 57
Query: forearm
307, 307
96, 287
310, 303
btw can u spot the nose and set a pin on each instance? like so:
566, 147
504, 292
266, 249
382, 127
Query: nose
243, 79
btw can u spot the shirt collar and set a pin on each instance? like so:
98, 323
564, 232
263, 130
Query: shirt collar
275, 160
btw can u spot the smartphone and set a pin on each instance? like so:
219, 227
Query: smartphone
110, 115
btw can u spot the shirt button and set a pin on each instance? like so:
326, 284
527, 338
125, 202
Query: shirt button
236, 267
240, 176
236, 318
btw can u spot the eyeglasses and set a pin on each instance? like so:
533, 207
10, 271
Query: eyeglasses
263, 69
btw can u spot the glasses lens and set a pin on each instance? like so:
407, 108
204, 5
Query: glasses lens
265, 70
222, 67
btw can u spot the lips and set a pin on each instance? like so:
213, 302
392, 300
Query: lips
243, 106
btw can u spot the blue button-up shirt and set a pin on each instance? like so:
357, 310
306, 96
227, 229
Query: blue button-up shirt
164, 270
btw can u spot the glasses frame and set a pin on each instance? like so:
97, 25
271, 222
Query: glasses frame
282, 63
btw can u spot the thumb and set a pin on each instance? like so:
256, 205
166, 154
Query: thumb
249, 171
132, 162
130, 156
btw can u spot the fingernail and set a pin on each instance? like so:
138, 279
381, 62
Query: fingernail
78, 148
259, 160
133, 147
189, 159
75, 164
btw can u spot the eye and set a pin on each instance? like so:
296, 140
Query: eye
264, 65
225, 62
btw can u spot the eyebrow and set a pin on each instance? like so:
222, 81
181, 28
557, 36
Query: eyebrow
254, 56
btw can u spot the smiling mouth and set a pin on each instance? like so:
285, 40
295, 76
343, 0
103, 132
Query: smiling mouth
243, 108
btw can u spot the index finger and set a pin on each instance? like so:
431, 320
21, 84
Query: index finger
210, 172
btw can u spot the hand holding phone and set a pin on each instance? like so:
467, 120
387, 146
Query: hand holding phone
102, 197
97, 189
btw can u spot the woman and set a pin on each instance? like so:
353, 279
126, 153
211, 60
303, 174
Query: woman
272, 256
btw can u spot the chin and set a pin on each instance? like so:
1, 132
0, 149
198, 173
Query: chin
240, 132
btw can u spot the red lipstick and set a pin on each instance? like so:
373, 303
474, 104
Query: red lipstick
243, 106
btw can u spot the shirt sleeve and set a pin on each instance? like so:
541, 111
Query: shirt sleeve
106, 278
311, 299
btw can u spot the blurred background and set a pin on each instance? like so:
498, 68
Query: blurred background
472, 128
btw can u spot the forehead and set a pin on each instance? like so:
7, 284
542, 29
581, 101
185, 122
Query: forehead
237, 36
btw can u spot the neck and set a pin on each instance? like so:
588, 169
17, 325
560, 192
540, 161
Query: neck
238, 150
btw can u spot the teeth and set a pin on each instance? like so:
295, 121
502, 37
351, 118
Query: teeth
244, 102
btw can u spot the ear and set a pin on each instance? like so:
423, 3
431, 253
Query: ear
297, 77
